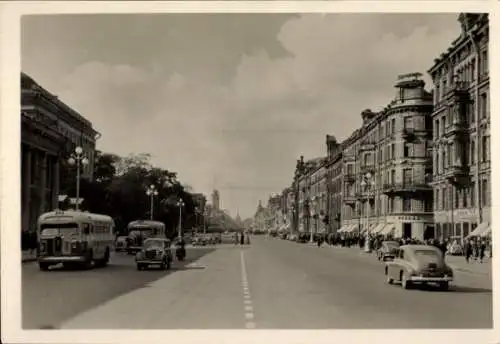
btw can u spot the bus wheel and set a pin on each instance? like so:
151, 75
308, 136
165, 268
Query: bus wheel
43, 266
88, 260
105, 260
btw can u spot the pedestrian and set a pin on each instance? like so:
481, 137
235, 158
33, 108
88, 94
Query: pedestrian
468, 251
242, 239
482, 249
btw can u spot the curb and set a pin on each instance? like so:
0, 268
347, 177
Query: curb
28, 260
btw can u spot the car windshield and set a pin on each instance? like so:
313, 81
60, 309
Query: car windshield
153, 244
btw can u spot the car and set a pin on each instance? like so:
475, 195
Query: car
418, 264
386, 250
121, 244
155, 251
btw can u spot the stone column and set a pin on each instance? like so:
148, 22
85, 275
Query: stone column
56, 183
43, 183
26, 183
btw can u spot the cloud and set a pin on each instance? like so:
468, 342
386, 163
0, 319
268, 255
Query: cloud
243, 112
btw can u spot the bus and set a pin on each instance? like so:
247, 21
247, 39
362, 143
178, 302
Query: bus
140, 230
74, 238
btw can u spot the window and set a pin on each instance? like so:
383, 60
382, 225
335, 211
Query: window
472, 152
484, 62
393, 149
406, 204
350, 169
393, 126
473, 194
407, 176
456, 197
473, 69
393, 176
436, 131
408, 123
484, 193
391, 204
406, 150
485, 149
483, 105
465, 196
436, 197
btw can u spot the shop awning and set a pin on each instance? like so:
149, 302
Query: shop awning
387, 229
352, 228
342, 229
483, 227
377, 228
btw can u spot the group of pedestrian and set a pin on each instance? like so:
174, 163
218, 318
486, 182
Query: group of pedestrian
241, 238
475, 249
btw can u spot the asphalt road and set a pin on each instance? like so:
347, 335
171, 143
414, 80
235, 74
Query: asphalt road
48, 298
267, 285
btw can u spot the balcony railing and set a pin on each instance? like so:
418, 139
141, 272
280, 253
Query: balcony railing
363, 195
457, 172
350, 198
350, 178
457, 128
367, 168
407, 187
367, 146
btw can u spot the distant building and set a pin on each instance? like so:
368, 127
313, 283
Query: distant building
334, 183
461, 132
216, 200
50, 131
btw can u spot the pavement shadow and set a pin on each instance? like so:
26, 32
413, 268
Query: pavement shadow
455, 289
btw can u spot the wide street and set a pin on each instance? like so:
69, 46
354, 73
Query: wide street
270, 284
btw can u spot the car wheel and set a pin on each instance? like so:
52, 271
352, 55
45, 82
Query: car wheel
444, 286
389, 280
140, 267
405, 284
43, 266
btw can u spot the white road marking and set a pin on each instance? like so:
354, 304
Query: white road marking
249, 313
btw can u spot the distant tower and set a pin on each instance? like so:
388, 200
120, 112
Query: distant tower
216, 200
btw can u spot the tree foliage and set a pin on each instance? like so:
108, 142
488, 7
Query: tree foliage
119, 186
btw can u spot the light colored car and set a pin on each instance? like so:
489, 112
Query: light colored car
155, 251
386, 250
418, 264
121, 244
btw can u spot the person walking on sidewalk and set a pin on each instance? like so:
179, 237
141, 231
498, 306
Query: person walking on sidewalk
482, 249
468, 251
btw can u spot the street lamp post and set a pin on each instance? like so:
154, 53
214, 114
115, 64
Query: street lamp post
366, 185
311, 240
77, 158
196, 210
180, 204
151, 192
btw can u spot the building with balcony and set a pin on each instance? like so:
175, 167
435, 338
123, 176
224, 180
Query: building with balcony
387, 166
461, 132
50, 131
311, 201
334, 183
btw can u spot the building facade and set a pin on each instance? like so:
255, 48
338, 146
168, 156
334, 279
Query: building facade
334, 184
50, 130
387, 166
216, 200
461, 123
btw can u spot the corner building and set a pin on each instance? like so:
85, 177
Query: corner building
388, 167
50, 130
462, 156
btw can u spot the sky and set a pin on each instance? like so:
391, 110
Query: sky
229, 100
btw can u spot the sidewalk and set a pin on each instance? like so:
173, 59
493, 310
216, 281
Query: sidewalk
456, 262
27, 256
474, 267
